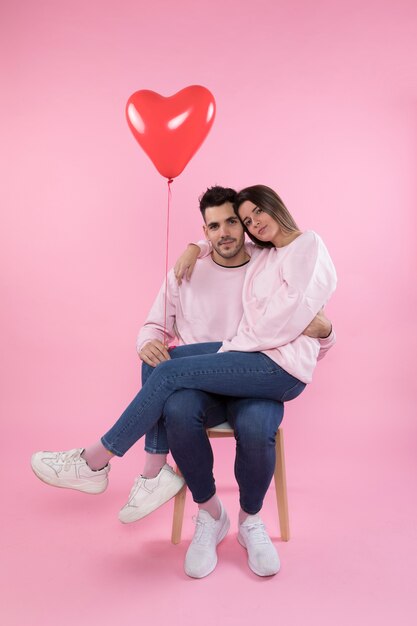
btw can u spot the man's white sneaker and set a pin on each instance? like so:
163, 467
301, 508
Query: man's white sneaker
69, 470
147, 494
201, 557
263, 558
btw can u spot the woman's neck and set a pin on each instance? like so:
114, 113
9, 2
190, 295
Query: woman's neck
283, 239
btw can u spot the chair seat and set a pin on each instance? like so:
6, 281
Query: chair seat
224, 427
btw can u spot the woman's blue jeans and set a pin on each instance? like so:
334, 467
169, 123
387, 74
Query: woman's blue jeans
233, 374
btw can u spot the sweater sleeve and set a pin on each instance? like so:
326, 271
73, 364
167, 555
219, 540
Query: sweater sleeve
308, 280
326, 344
205, 248
153, 327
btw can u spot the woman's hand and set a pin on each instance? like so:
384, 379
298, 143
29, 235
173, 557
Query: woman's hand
185, 265
320, 327
154, 352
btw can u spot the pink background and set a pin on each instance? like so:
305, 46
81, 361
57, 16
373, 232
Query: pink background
316, 99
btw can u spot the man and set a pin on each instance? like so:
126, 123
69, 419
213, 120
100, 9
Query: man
208, 308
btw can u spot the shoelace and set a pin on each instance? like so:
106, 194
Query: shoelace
134, 488
203, 531
257, 532
67, 458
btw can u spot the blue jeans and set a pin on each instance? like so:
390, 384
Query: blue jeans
156, 439
237, 374
189, 412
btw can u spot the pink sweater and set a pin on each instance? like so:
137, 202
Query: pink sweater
284, 289
207, 308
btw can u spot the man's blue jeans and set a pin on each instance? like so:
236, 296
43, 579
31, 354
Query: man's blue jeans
236, 374
156, 439
189, 412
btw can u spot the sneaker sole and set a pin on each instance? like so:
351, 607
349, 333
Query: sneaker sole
86, 488
220, 538
252, 567
134, 515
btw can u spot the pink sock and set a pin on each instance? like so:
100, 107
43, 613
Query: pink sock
97, 456
212, 507
153, 464
243, 516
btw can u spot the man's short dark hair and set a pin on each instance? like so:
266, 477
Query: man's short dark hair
216, 196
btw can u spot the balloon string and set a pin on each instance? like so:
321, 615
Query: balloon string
170, 181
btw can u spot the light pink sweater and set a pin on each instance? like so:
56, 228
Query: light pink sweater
284, 289
207, 308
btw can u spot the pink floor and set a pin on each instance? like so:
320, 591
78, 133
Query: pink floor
351, 558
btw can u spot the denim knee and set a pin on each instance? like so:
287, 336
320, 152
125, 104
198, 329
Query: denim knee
255, 422
182, 408
254, 436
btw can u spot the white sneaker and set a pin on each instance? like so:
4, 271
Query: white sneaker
201, 557
147, 494
67, 469
263, 558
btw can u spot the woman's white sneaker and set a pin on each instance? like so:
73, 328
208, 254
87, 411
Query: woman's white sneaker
263, 558
69, 470
147, 494
201, 557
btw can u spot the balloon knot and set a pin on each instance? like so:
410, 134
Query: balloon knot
170, 180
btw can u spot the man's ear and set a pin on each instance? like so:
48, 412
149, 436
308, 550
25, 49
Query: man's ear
205, 230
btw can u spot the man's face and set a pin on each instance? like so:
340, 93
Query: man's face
224, 230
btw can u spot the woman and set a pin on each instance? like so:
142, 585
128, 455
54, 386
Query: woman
285, 286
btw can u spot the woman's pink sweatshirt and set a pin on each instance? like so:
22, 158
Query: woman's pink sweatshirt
283, 291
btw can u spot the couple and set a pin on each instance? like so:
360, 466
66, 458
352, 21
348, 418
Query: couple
250, 320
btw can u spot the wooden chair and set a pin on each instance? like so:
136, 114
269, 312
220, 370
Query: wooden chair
225, 430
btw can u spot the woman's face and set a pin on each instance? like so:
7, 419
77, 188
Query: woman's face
260, 224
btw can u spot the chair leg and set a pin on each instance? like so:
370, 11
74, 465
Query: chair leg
281, 487
178, 516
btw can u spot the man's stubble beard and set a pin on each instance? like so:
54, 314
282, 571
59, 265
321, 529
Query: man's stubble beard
230, 255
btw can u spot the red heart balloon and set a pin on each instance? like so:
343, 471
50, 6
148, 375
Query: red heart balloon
170, 130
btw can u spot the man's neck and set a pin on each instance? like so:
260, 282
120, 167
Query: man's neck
239, 259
